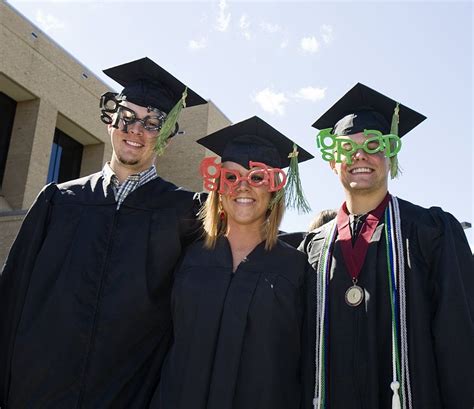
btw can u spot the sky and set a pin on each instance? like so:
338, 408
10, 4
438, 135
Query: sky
288, 62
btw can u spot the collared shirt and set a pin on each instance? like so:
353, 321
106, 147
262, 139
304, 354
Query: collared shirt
121, 191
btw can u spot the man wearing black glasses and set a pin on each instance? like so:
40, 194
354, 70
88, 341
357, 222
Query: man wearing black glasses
84, 293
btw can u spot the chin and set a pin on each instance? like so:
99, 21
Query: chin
129, 162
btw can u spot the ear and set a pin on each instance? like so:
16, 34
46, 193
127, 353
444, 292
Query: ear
332, 164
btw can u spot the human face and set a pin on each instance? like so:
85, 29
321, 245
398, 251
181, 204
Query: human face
247, 205
133, 151
368, 173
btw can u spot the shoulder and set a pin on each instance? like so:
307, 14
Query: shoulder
429, 229
316, 237
175, 194
287, 250
77, 186
434, 219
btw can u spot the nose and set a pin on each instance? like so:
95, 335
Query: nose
360, 154
243, 186
136, 128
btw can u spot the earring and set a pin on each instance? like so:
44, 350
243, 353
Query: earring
222, 214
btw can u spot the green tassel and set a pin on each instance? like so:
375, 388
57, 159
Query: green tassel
394, 166
293, 191
170, 124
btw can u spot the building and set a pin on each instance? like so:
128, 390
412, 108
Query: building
50, 128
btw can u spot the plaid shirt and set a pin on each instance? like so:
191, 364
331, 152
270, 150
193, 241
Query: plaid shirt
121, 191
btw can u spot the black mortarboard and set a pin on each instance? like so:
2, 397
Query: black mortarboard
147, 84
253, 140
364, 108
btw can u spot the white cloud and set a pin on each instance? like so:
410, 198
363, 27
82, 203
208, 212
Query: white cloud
48, 22
311, 93
244, 25
309, 44
271, 102
198, 44
223, 19
269, 27
327, 33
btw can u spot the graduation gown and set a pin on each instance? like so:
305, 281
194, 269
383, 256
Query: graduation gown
84, 295
440, 311
237, 336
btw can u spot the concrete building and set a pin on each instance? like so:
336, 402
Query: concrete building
50, 127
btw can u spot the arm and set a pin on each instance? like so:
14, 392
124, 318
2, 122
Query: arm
191, 226
15, 276
453, 326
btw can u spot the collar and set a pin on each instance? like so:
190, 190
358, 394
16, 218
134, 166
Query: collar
109, 175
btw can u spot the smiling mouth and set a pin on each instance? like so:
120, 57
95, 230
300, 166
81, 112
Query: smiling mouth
244, 200
132, 143
360, 170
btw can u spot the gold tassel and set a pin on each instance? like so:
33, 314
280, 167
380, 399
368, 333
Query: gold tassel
170, 123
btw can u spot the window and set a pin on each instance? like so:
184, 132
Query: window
7, 114
66, 158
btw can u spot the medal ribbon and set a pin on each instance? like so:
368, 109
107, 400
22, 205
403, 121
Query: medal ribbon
354, 256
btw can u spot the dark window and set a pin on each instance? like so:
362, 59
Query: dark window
66, 157
7, 114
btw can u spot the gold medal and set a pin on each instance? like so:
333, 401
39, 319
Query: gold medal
354, 295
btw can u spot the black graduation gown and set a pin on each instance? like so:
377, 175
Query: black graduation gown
440, 311
85, 292
237, 336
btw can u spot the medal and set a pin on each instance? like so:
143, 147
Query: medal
354, 255
354, 295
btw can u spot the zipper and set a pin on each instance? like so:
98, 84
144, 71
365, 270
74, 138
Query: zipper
96, 313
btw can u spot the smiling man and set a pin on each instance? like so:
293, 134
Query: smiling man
391, 314
84, 293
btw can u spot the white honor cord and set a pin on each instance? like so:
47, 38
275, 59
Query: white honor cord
405, 372
395, 384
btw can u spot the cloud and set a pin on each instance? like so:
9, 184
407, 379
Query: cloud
48, 22
327, 33
270, 101
244, 25
269, 27
198, 44
311, 93
309, 44
223, 19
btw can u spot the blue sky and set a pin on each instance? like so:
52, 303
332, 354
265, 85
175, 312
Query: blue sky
288, 62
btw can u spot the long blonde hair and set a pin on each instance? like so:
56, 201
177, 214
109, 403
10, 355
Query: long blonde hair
216, 226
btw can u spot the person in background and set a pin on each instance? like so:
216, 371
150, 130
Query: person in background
323, 217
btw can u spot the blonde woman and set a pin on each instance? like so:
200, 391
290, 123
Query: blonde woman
238, 296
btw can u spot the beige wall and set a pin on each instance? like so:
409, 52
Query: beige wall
53, 90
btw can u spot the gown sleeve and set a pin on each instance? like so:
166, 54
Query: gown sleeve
15, 276
453, 312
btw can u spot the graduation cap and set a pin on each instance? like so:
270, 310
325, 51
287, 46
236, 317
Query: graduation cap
255, 140
147, 84
364, 108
